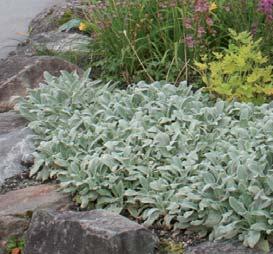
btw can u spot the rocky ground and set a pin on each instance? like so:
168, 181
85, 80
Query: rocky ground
17, 182
22, 196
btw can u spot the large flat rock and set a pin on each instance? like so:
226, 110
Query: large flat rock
93, 232
16, 207
15, 143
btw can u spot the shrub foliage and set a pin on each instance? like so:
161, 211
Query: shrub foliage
240, 71
160, 152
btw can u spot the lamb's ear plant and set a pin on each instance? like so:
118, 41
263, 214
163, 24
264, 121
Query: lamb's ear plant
160, 152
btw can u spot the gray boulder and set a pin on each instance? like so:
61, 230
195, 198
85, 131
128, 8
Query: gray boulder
16, 144
94, 232
50, 18
61, 42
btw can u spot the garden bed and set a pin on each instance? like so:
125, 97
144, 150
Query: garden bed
192, 158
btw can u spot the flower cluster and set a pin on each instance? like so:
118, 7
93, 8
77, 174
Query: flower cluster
83, 27
266, 7
200, 23
201, 6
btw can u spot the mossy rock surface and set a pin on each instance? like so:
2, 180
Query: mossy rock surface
171, 247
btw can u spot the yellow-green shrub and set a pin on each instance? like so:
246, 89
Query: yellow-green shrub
239, 72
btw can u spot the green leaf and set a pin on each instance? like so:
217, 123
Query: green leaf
36, 167
152, 216
237, 206
269, 181
263, 245
252, 238
69, 25
162, 139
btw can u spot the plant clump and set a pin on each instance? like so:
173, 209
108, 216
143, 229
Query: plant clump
161, 153
159, 40
240, 71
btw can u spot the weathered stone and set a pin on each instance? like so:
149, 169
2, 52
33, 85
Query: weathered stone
16, 207
94, 232
16, 143
222, 247
18, 73
61, 42
49, 19
10, 121
2, 244
27, 160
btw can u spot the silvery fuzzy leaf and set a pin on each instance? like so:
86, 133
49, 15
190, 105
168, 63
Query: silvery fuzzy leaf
181, 225
159, 185
131, 193
133, 211
253, 189
104, 201
259, 226
244, 113
197, 222
252, 238
37, 166
168, 219
226, 231
263, 245
237, 206
118, 189
255, 167
209, 178
108, 160
261, 213
213, 218
188, 205
242, 173
269, 181
104, 192
188, 214
114, 208
162, 139
173, 206
146, 200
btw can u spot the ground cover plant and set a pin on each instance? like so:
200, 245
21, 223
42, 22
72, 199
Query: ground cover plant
161, 153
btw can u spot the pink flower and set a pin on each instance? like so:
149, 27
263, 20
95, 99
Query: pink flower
189, 41
209, 21
266, 7
187, 23
201, 31
201, 6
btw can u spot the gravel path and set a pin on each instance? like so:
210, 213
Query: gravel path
15, 16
